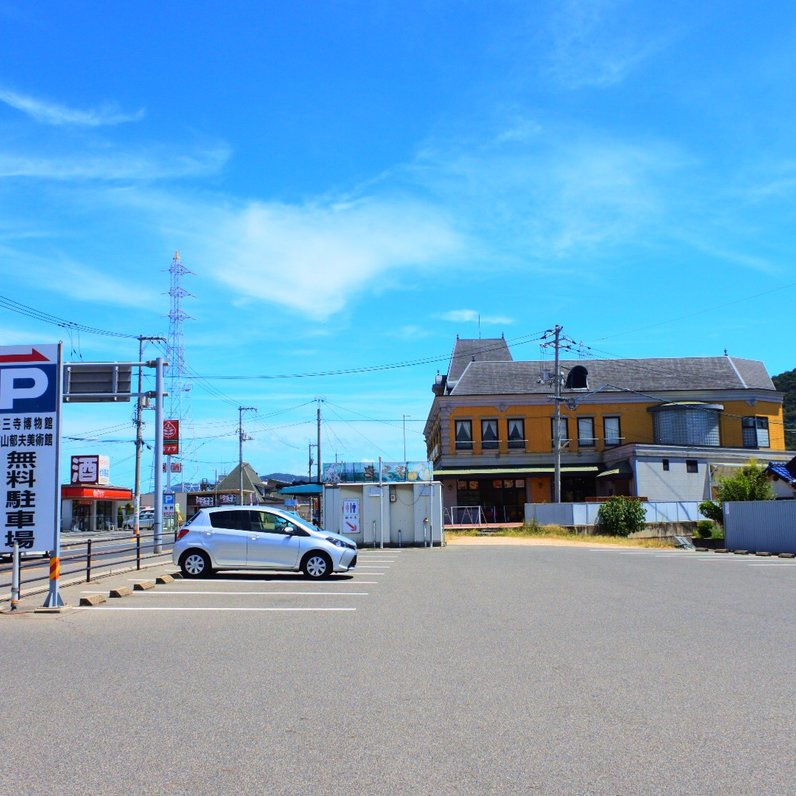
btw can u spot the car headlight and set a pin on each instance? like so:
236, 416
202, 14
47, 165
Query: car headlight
336, 542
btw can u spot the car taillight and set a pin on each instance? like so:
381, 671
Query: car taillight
182, 533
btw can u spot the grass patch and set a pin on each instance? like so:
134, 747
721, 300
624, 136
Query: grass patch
557, 532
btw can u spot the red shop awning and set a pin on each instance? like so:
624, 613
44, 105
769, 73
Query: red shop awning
96, 493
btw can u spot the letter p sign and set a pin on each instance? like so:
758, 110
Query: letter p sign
30, 389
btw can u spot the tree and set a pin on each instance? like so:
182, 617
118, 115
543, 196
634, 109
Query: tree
749, 483
621, 516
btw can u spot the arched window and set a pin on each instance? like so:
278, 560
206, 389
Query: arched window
577, 379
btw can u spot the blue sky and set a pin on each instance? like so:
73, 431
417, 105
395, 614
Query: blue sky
354, 183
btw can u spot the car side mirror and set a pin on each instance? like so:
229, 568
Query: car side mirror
290, 530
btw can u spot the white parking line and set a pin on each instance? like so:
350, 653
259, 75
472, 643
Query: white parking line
278, 581
196, 608
264, 593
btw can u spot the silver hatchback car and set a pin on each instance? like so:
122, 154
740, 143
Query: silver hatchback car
249, 537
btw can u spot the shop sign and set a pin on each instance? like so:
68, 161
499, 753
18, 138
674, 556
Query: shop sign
90, 470
171, 437
29, 438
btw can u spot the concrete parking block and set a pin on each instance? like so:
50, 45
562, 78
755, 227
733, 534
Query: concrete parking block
92, 599
143, 585
164, 579
122, 591
786, 555
762, 553
741, 552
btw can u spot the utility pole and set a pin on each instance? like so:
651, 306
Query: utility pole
404, 418
555, 380
318, 445
139, 426
557, 415
310, 460
241, 437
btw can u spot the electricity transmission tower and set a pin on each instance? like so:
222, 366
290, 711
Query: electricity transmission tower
178, 388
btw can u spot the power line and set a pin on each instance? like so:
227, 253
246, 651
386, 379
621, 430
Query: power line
523, 339
39, 315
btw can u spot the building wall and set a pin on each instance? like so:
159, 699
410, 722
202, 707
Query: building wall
636, 425
676, 483
381, 518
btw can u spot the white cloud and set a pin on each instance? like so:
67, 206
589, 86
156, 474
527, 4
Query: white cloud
58, 115
140, 166
473, 316
78, 281
315, 258
594, 43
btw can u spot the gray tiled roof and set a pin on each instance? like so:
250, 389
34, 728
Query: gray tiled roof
643, 375
492, 349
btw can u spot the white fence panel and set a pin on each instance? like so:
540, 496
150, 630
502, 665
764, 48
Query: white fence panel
761, 526
586, 513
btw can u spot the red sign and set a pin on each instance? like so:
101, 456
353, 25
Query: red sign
171, 437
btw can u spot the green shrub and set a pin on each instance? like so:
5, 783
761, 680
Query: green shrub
620, 516
704, 528
711, 510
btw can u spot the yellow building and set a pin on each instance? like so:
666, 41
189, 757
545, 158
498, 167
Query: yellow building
660, 429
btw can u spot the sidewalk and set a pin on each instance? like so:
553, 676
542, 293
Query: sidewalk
72, 591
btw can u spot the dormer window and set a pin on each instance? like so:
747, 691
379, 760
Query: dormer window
577, 379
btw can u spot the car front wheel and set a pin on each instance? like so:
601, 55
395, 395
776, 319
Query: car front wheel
317, 565
195, 564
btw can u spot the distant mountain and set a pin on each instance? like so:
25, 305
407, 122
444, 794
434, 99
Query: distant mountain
286, 477
786, 383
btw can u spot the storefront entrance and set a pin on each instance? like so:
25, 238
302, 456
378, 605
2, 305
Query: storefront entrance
500, 499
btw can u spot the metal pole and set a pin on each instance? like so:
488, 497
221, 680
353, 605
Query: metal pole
318, 463
88, 561
53, 599
241, 437
15, 577
381, 503
139, 440
157, 524
557, 420
404, 417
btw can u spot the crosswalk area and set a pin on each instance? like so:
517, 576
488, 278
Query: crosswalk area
261, 592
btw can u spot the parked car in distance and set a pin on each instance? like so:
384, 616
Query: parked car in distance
146, 521
248, 537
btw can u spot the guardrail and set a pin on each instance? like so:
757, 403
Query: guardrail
86, 559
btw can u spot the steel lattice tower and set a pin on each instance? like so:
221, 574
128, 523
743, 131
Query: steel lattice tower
178, 387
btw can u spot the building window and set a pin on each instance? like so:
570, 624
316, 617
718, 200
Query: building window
586, 432
755, 432
665, 464
691, 466
577, 378
686, 424
611, 431
464, 435
489, 434
563, 432
516, 433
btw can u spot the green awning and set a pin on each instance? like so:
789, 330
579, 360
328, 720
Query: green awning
540, 470
302, 489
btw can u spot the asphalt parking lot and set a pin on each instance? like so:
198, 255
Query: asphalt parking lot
464, 670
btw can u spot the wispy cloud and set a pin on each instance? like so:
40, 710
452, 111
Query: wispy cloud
140, 166
313, 259
594, 43
76, 280
56, 114
473, 316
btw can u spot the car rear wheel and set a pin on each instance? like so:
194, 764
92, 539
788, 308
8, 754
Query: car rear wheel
195, 564
317, 565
